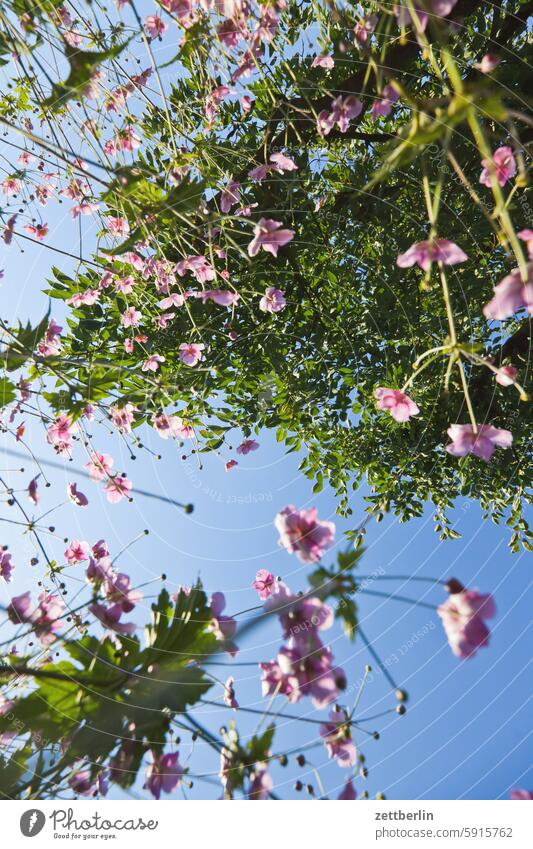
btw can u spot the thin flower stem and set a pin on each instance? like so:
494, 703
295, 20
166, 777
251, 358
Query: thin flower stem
377, 658
403, 598
467, 396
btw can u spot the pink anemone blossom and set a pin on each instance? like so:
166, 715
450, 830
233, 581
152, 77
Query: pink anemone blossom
337, 739
506, 375
247, 446
517, 794
436, 250
6, 566
77, 497
511, 295
273, 300
465, 440
343, 110
269, 235
463, 615
397, 403
348, 794
117, 488
223, 627
301, 532
191, 353
264, 583
109, 617
502, 165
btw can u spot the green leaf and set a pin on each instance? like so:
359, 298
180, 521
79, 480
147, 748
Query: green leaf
83, 64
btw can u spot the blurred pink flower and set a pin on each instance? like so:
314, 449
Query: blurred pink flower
269, 235
511, 295
506, 375
463, 615
247, 446
482, 444
436, 250
117, 488
77, 497
191, 353
264, 583
302, 532
503, 164
273, 300
397, 403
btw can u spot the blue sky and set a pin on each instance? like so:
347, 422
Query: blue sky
465, 734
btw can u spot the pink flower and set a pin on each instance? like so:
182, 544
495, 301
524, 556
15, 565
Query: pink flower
341, 113
301, 617
488, 63
39, 231
269, 236
77, 497
326, 62
223, 627
164, 774
265, 583
397, 403
403, 12
482, 444
521, 795
503, 164
152, 363
365, 27
33, 494
87, 298
337, 739
21, 609
59, 434
424, 253
282, 163
273, 300
302, 532
231, 465
221, 297
6, 566
246, 103
82, 783
300, 672
118, 591
117, 226
117, 488
527, 237
229, 694
84, 208
77, 551
247, 446
261, 785
348, 794
463, 615
230, 196
110, 616
11, 186
122, 417
506, 375
510, 295
46, 620
191, 353
383, 107
100, 466
130, 318
155, 26
199, 267
173, 427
